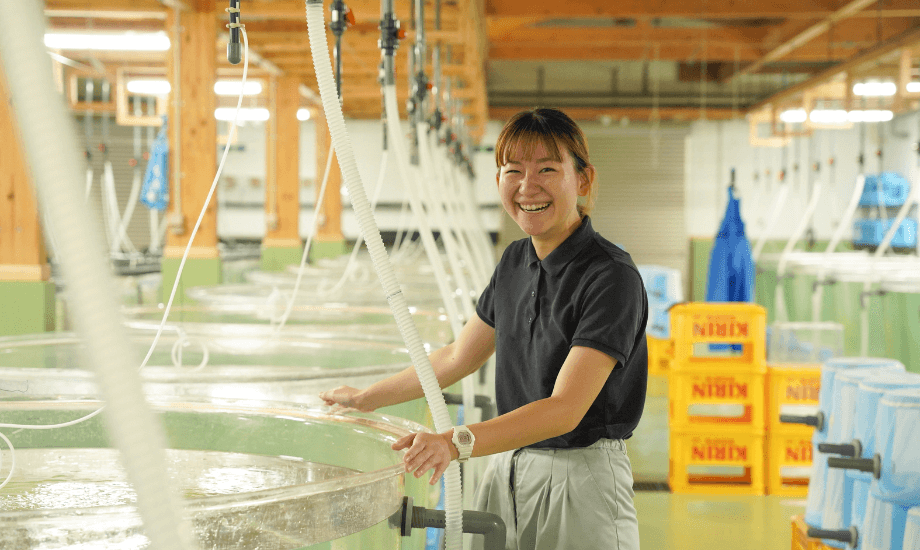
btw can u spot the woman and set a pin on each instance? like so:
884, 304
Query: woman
565, 314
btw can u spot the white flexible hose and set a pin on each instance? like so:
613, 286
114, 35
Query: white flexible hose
126, 217
435, 207
47, 133
351, 266
818, 297
443, 198
774, 217
345, 154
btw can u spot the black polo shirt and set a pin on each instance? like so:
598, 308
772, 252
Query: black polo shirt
587, 292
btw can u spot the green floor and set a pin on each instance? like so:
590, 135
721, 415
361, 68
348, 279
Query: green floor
693, 522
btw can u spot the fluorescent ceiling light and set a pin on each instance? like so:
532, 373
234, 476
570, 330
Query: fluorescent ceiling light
123, 42
793, 115
875, 88
913, 87
828, 116
232, 87
247, 114
303, 114
870, 116
149, 87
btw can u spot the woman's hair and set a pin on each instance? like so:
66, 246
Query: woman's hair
551, 128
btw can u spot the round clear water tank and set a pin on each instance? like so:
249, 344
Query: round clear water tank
252, 475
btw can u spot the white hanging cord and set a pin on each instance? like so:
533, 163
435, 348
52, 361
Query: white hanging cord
306, 248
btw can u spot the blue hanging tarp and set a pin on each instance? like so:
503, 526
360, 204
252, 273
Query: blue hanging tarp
731, 266
155, 191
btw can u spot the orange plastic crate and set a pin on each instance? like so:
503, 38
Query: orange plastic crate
791, 386
789, 448
695, 326
660, 353
717, 397
800, 539
717, 462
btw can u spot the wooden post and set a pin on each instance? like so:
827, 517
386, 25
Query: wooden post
329, 241
27, 297
192, 66
282, 245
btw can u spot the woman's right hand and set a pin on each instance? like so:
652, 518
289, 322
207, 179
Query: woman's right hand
344, 397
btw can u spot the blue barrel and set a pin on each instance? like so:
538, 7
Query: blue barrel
886, 523
898, 426
868, 396
912, 529
814, 506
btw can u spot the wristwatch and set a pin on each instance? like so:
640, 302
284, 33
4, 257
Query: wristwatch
463, 439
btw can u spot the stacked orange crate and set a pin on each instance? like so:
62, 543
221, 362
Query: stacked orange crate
800, 538
660, 353
717, 409
791, 389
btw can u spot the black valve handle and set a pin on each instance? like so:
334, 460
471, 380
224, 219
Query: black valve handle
872, 465
816, 420
850, 536
851, 450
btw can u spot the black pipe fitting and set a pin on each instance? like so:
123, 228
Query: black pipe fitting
482, 402
390, 35
816, 420
337, 20
849, 536
234, 48
851, 450
872, 465
410, 517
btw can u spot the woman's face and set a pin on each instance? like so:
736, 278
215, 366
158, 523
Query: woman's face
540, 194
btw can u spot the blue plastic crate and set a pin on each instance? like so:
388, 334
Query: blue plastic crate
662, 284
870, 232
894, 190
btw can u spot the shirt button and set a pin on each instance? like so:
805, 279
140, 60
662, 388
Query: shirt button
533, 292
529, 319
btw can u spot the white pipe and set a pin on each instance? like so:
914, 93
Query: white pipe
780, 201
780, 297
343, 148
845, 223
47, 133
912, 199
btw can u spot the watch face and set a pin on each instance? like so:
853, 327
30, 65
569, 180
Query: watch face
464, 438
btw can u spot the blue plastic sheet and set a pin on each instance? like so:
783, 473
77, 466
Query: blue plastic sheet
155, 191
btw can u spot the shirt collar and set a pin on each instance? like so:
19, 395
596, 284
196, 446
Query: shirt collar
556, 260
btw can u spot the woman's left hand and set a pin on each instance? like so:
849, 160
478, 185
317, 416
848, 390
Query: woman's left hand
426, 451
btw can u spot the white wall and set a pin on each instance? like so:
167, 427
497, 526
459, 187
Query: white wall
715, 147
241, 193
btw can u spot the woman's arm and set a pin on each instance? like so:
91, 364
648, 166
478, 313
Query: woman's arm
451, 364
578, 384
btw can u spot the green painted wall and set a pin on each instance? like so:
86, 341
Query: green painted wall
197, 272
27, 307
278, 258
326, 249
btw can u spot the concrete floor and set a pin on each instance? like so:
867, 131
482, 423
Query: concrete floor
694, 522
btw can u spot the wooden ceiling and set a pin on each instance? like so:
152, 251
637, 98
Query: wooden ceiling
719, 42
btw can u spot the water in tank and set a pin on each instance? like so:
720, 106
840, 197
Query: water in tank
265, 475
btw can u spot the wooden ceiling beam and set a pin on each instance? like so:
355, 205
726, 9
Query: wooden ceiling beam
631, 113
692, 9
854, 67
806, 36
